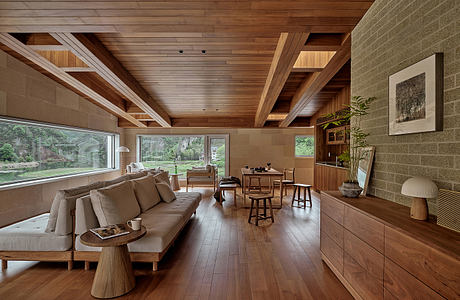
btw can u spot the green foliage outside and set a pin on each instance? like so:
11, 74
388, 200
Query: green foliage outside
304, 146
32, 152
184, 151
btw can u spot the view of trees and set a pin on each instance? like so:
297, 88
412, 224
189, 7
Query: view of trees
184, 152
304, 146
31, 151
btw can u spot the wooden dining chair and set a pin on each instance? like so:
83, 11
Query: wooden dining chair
288, 179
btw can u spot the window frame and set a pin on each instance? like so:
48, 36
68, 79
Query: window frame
207, 139
112, 155
314, 148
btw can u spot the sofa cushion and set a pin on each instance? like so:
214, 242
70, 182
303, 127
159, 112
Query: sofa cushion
184, 205
85, 218
146, 192
115, 204
162, 177
60, 221
30, 235
138, 175
165, 191
161, 230
116, 180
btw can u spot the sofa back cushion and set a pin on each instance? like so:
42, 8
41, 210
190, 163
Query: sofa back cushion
146, 192
115, 204
165, 191
116, 180
60, 220
85, 218
162, 177
138, 175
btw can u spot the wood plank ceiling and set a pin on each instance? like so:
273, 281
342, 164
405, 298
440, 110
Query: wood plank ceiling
189, 63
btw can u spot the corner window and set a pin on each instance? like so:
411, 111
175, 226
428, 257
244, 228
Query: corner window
304, 146
33, 150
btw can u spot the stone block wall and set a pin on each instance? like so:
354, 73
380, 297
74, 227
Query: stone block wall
392, 36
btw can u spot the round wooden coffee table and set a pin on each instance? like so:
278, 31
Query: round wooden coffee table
114, 274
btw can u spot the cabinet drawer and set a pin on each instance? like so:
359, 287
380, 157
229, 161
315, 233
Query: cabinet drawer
403, 285
333, 229
366, 286
332, 251
367, 229
363, 267
332, 208
434, 268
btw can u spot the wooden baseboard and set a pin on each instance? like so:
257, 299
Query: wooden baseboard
341, 278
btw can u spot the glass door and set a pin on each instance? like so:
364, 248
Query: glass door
217, 152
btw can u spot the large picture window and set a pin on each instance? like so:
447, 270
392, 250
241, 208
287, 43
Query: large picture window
183, 152
304, 146
32, 150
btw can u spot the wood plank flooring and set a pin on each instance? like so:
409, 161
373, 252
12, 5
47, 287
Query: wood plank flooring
217, 256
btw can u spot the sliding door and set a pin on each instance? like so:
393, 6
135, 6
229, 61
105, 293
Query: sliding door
183, 152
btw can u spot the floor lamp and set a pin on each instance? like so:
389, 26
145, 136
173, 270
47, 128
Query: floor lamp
121, 150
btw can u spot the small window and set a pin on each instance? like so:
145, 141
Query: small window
32, 150
304, 146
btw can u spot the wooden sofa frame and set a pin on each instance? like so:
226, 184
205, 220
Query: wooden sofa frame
213, 182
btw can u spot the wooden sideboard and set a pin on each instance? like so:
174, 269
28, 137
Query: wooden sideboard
378, 252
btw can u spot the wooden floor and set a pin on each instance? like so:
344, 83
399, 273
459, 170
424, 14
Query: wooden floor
218, 256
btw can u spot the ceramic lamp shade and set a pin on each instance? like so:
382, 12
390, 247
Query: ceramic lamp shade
122, 149
419, 188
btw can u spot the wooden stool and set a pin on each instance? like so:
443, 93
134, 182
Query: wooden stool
263, 216
298, 187
228, 187
254, 188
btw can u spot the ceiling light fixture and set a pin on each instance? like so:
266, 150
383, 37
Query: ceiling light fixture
181, 51
203, 51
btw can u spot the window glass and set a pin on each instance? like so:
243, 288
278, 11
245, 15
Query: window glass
172, 153
30, 151
304, 146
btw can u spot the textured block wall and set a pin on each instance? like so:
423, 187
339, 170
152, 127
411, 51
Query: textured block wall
392, 35
28, 94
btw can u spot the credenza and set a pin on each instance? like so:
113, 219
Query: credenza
378, 252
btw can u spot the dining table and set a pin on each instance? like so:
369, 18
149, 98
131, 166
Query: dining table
271, 174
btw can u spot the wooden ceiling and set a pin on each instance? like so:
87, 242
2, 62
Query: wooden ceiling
188, 63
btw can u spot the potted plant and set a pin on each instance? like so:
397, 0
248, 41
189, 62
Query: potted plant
353, 155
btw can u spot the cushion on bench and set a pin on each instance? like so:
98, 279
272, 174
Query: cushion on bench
30, 235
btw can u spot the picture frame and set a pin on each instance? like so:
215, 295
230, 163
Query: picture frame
365, 168
415, 97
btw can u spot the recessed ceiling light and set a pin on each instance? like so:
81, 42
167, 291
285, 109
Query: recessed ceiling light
204, 109
203, 51
217, 109
181, 51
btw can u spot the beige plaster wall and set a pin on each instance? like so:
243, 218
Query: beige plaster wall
253, 147
26, 93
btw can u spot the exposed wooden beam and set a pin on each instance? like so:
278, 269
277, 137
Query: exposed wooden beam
313, 84
24, 50
286, 53
95, 55
77, 69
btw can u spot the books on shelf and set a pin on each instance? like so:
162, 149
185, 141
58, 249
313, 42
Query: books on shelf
110, 231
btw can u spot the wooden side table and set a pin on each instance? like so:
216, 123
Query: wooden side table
114, 274
175, 186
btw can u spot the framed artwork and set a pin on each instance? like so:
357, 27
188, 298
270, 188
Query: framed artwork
416, 97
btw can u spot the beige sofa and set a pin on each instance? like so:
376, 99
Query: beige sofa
163, 220
51, 236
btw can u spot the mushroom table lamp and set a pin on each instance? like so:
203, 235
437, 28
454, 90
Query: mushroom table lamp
419, 188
